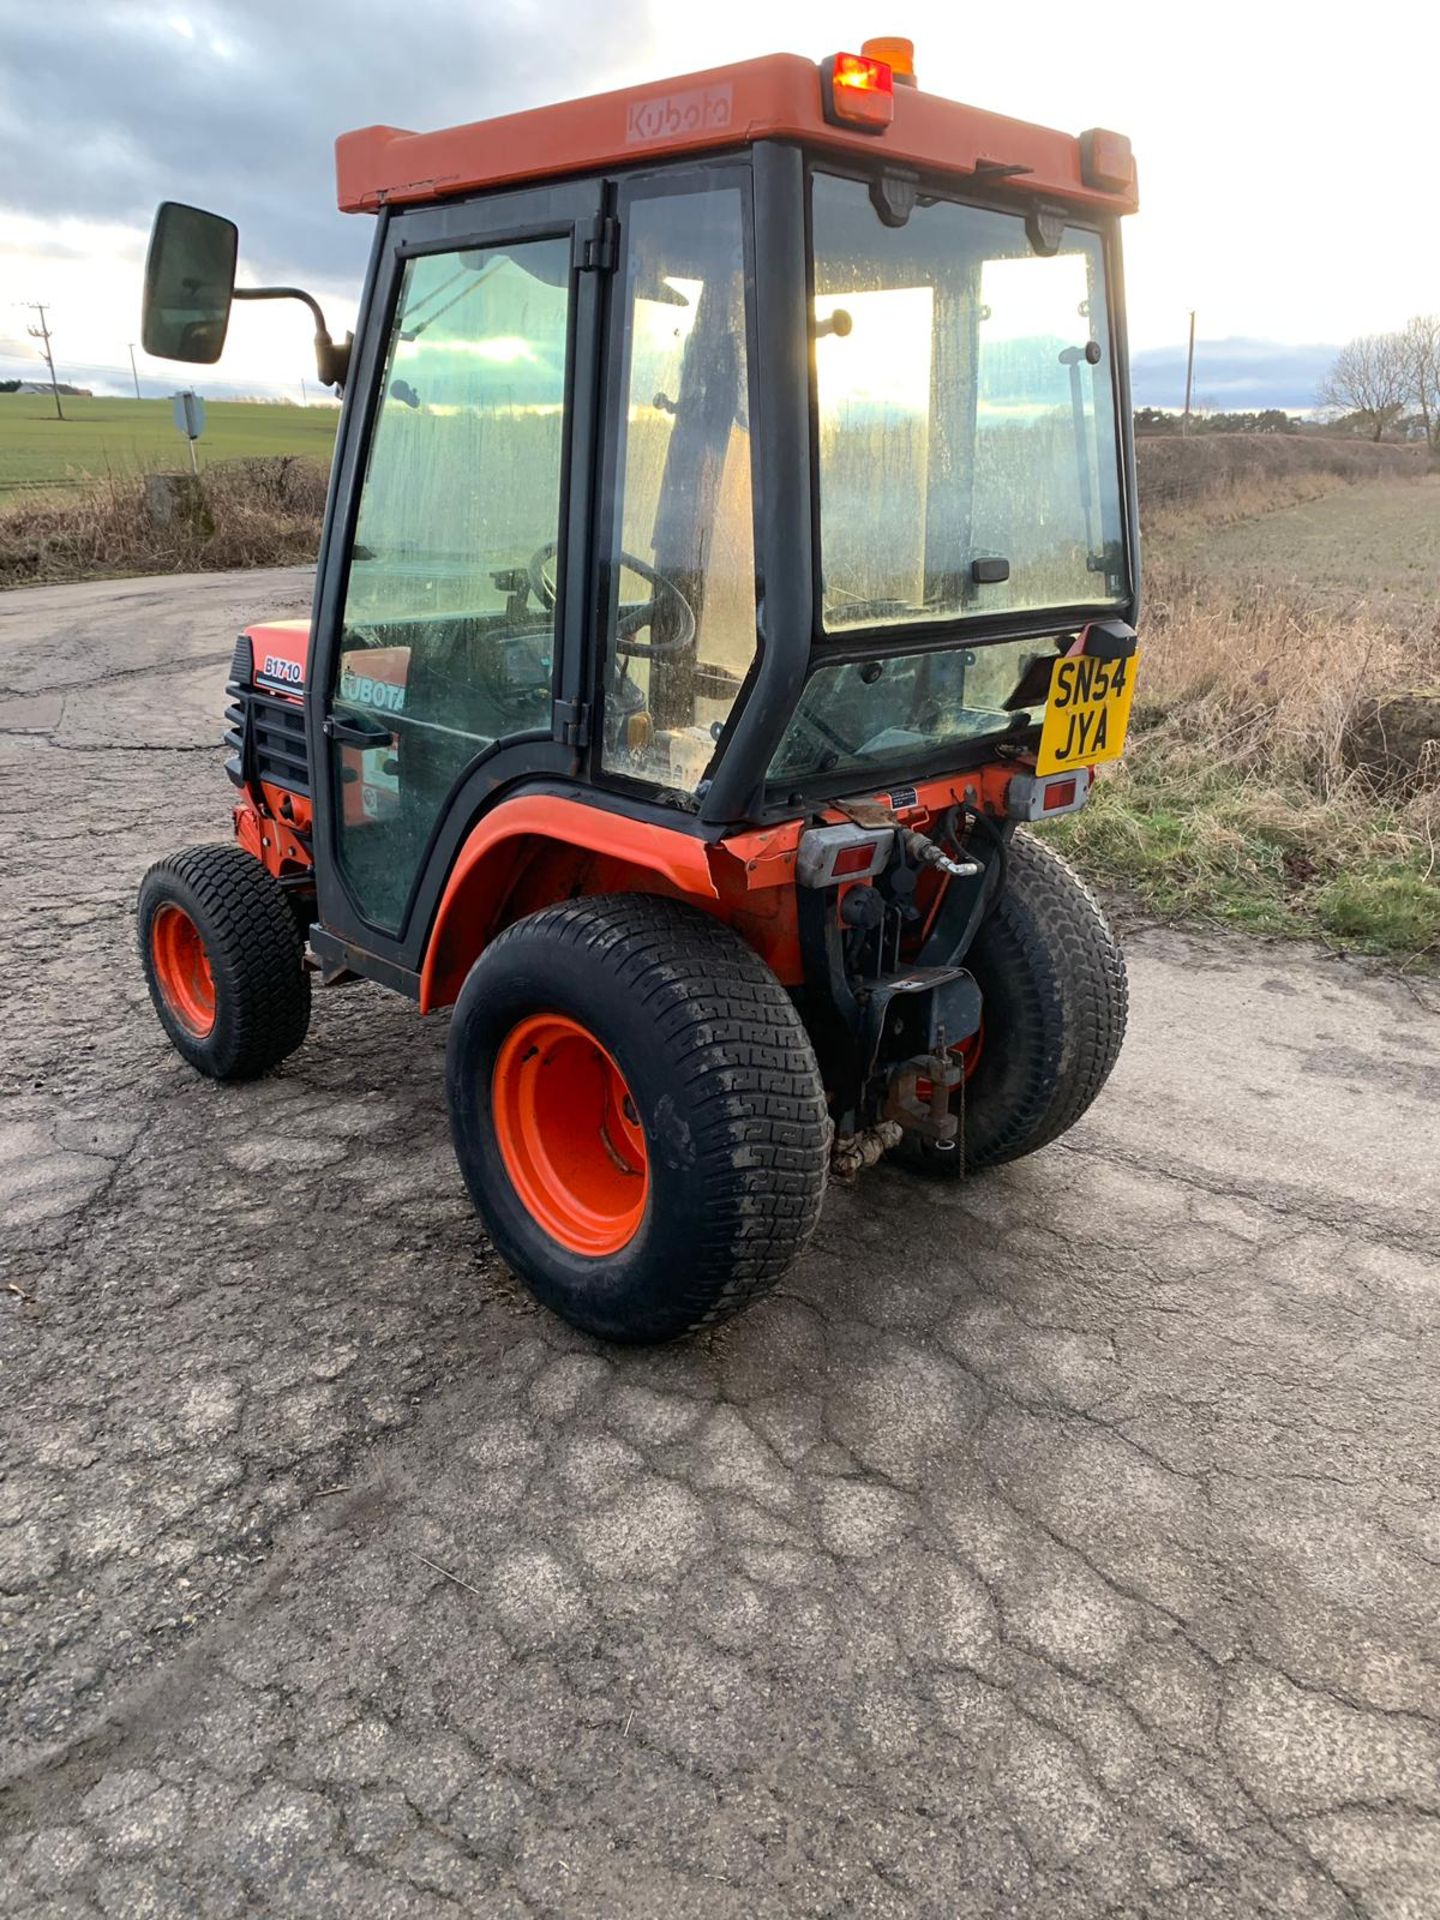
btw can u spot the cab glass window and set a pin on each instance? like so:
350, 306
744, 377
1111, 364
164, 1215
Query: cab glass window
965, 386
872, 717
680, 632
448, 637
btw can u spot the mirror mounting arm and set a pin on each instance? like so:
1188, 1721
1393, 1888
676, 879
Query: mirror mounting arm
332, 362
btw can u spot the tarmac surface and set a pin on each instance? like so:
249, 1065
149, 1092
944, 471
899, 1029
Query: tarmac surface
1062, 1543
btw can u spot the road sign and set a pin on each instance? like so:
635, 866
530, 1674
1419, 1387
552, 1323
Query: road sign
189, 410
189, 415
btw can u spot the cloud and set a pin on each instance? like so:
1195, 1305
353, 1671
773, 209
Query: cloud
108, 106
1238, 375
235, 104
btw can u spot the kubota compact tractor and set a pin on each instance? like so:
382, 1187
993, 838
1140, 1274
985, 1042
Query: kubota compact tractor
731, 545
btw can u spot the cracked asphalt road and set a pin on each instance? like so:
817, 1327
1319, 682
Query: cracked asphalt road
1064, 1543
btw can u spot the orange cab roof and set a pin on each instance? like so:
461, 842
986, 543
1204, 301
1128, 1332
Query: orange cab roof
779, 97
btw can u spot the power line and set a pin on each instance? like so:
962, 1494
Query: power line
42, 334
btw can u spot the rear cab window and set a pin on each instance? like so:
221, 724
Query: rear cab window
967, 464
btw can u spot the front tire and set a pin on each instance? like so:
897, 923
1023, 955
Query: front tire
638, 1114
1055, 998
224, 961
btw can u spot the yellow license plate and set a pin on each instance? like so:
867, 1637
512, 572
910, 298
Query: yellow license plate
1088, 713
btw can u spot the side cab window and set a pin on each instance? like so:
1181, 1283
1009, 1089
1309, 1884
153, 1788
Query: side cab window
448, 636
681, 625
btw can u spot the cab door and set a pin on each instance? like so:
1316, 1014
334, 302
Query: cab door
452, 594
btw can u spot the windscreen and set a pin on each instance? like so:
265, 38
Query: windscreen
968, 460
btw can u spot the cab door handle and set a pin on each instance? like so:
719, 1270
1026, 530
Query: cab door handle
352, 733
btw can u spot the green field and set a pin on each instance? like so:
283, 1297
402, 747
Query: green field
42, 455
1376, 546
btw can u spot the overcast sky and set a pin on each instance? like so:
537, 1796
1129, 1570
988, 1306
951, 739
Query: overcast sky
1288, 151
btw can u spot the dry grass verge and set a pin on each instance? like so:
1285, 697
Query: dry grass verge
1275, 467
1235, 802
259, 513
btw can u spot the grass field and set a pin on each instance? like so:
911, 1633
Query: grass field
42, 456
1373, 549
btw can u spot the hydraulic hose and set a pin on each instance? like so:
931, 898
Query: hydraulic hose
998, 841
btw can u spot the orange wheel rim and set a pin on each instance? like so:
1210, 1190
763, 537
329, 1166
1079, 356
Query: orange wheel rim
182, 969
570, 1135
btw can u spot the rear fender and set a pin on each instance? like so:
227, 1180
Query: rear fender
538, 848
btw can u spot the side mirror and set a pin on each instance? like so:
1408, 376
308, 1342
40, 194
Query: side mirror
189, 283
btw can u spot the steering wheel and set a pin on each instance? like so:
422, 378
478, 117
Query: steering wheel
631, 619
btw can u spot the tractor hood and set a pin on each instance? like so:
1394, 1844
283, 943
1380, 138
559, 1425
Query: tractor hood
279, 649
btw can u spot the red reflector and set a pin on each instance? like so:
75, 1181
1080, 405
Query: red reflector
857, 859
1058, 793
859, 91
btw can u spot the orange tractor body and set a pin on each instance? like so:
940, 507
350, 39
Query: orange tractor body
731, 550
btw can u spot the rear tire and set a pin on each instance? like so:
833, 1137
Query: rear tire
1055, 997
638, 1114
223, 961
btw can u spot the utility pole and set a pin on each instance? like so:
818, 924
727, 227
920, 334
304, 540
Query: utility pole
42, 334
304, 397
132, 369
1189, 375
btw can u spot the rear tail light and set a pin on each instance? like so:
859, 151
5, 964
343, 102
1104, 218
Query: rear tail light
1029, 797
850, 861
828, 854
858, 92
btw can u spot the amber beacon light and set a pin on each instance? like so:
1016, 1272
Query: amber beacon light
897, 54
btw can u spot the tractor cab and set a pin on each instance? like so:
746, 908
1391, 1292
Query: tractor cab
733, 510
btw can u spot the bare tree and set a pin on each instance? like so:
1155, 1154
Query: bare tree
1420, 342
1369, 377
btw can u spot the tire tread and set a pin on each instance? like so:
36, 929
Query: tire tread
736, 1048
1050, 949
1074, 974
256, 953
